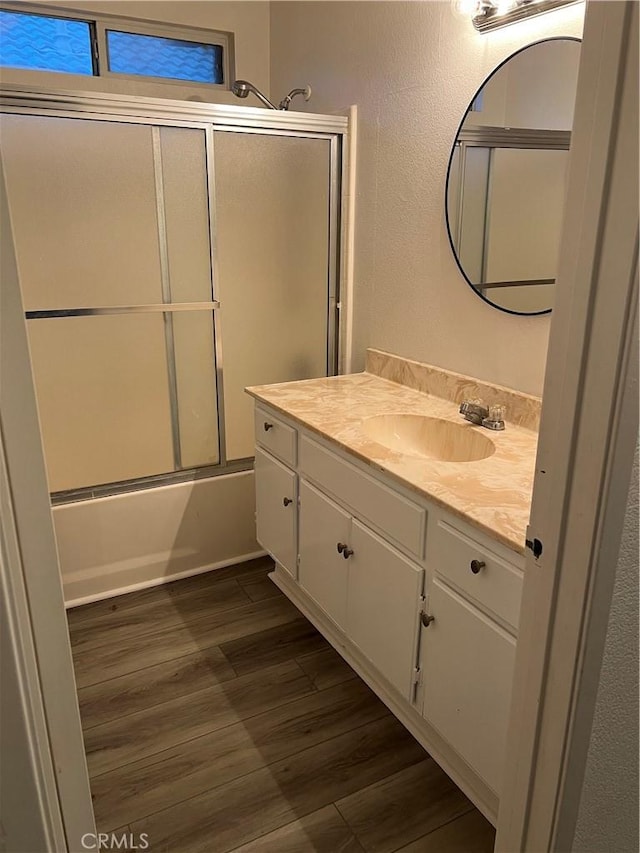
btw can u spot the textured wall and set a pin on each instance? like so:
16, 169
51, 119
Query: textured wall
608, 816
412, 69
248, 20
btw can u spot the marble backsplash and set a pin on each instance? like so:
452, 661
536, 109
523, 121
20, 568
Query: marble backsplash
522, 409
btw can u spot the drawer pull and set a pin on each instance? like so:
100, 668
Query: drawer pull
267, 426
341, 547
286, 501
427, 619
476, 565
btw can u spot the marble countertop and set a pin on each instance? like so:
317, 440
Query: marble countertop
492, 494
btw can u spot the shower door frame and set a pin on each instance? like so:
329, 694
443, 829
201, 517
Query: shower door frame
209, 118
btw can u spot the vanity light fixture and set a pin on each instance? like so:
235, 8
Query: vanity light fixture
491, 14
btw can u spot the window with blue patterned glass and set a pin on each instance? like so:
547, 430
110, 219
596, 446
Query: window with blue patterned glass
44, 43
156, 56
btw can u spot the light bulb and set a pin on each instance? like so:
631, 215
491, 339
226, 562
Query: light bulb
504, 6
466, 9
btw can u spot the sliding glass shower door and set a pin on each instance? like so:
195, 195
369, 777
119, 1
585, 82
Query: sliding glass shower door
111, 234
164, 267
272, 223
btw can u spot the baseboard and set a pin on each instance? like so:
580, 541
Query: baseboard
158, 581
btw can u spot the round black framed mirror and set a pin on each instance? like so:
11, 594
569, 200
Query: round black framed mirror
506, 177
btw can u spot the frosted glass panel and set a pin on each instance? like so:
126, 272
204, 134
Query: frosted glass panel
184, 178
155, 56
272, 225
94, 205
41, 43
526, 202
83, 205
103, 398
196, 388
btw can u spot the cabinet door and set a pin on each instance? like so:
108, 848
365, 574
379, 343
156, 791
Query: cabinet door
276, 506
468, 671
383, 605
323, 570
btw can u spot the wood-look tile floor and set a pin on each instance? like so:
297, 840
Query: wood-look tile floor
217, 719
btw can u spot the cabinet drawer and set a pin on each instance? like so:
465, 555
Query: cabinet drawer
399, 518
496, 587
275, 436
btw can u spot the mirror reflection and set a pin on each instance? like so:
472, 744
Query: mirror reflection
506, 180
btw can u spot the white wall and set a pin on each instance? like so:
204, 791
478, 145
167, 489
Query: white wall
412, 68
536, 88
541, 86
247, 19
608, 815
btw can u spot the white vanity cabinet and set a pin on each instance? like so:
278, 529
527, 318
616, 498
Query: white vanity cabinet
467, 668
323, 571
276, 510
468, 650
276, 489
364, 585
384, 600
422, 605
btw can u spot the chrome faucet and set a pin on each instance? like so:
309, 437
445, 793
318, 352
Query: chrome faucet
475, 411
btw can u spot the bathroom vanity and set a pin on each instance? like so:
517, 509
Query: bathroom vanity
398, 530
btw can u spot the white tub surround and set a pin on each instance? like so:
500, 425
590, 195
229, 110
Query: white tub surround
113, 545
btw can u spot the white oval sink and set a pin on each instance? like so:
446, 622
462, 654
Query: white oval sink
429, 438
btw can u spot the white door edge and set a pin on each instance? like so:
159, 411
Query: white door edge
588, 434
30, 735
43, 619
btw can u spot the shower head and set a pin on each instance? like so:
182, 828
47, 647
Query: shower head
242, 88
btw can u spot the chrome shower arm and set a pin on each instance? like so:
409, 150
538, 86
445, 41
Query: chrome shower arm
242, 89
264, 99
286, 101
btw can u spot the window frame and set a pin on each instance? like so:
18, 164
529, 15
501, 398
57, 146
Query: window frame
123, 25
100, 23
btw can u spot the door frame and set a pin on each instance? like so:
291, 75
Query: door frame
588, 434
39, 641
